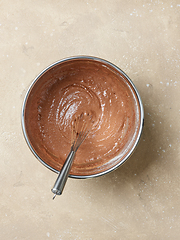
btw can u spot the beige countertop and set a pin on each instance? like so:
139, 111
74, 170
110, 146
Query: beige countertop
141, 199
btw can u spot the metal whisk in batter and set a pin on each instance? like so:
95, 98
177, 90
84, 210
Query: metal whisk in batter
81, 126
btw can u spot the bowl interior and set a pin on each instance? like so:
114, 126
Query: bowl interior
50, 99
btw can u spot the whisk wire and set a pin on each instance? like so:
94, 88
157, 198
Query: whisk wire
78, 136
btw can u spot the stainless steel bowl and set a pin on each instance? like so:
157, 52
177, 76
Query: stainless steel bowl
102, 61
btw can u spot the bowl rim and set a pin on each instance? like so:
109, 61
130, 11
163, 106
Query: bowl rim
85, 57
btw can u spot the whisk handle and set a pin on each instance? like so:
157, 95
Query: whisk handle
63, 175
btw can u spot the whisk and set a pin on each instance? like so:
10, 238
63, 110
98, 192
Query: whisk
81, 126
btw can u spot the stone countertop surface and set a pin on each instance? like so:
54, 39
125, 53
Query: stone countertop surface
141, 199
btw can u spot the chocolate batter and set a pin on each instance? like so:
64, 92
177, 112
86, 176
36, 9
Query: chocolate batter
72, 88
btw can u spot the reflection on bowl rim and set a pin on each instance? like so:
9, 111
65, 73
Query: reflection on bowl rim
107, 63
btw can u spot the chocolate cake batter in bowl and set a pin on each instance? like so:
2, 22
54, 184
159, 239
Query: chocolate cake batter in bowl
88, 85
